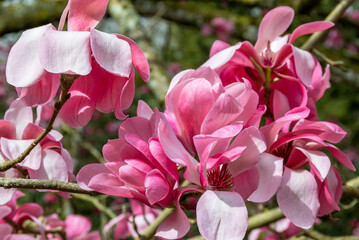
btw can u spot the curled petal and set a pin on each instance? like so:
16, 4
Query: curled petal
156, 186
309, 28
298, 189
25, 54
42, 91
112, 53
138, 58
78, 110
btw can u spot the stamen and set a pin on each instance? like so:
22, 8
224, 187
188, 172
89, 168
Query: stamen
220, 178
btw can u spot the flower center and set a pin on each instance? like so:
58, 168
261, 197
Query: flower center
220, 178
283, 151
268, 56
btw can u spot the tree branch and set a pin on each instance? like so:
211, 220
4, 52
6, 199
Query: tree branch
151, 230
44, 184
333, 16
66, 83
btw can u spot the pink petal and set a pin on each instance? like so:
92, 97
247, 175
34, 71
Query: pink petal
270, 176
25, 54
218, 46
42, 91
271, 131
309, 28
330, 193
112, 53
229, 156
167, 165
319, 161
132, 176
76, 225
65, 52
341, 157
175, 226
156, 186
4, 211
246, 182
273, 24
87, 172
222, 136
108, 183
280, 104
78, 110
304, 65
298, 189
53, 167
252, 139
222, 57
5, 230
20, 115
13, 148
218, 214
225, 110
138, 58
7, 129
6, 195
176, 152
126, 97
143, 110
85, 13
109, 88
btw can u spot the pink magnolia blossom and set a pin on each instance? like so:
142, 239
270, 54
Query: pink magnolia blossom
104, 62
229, 149
313, 193
136, 164
280, 73
28, 211
48, 160
197, 103
230, 163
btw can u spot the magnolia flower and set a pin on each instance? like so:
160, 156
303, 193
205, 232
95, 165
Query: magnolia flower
28, 211
136, 164
279, 72
48, 160
313, 193
104, 62
215, 123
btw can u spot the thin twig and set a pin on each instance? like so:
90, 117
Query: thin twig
65, 84
333, 16
96, 203
35, 231
44, 184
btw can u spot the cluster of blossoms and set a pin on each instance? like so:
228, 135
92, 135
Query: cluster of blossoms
242, 127
12, 217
